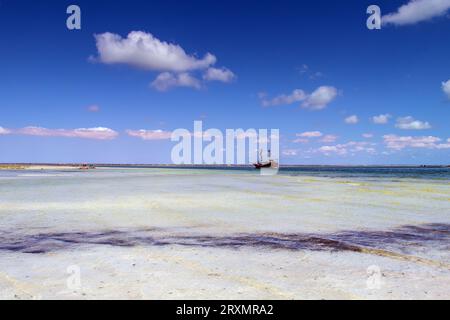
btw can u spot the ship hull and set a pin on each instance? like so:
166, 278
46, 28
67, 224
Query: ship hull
262, 165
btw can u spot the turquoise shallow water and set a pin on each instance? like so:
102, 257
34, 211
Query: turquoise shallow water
394, 172
360, 202
438, 172
442, 173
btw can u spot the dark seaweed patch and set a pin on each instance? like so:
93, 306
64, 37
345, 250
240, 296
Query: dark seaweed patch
400, 239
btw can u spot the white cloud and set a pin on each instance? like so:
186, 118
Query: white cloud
381, 119
289, 152
301, 140
329, 138
215, 74
166, 80
395, 142
143, 50
409, 123
164, 135
347, 148
367, 135
332, 149
313, 75
317, 100
4, 131
150, 134
296, 96
416, 11
310, 134
446, 88
316, 75
352, 119
360, 146
320, 98
99, 133
305, 136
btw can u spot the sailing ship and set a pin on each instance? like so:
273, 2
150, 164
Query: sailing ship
86, 166
269, 163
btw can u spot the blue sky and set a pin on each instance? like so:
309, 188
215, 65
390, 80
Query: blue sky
309, 68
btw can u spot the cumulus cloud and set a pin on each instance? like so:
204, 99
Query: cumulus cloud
395, 142
416, 11
352, 119
216, 74
296, 96
446, 88
367, 135
320, 98
381, 119
409, 123
167, 80
143, 50
150, 134
99, 133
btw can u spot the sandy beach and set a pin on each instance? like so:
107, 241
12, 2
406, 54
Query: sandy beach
212, 234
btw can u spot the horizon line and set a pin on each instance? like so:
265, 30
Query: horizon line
99, 164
